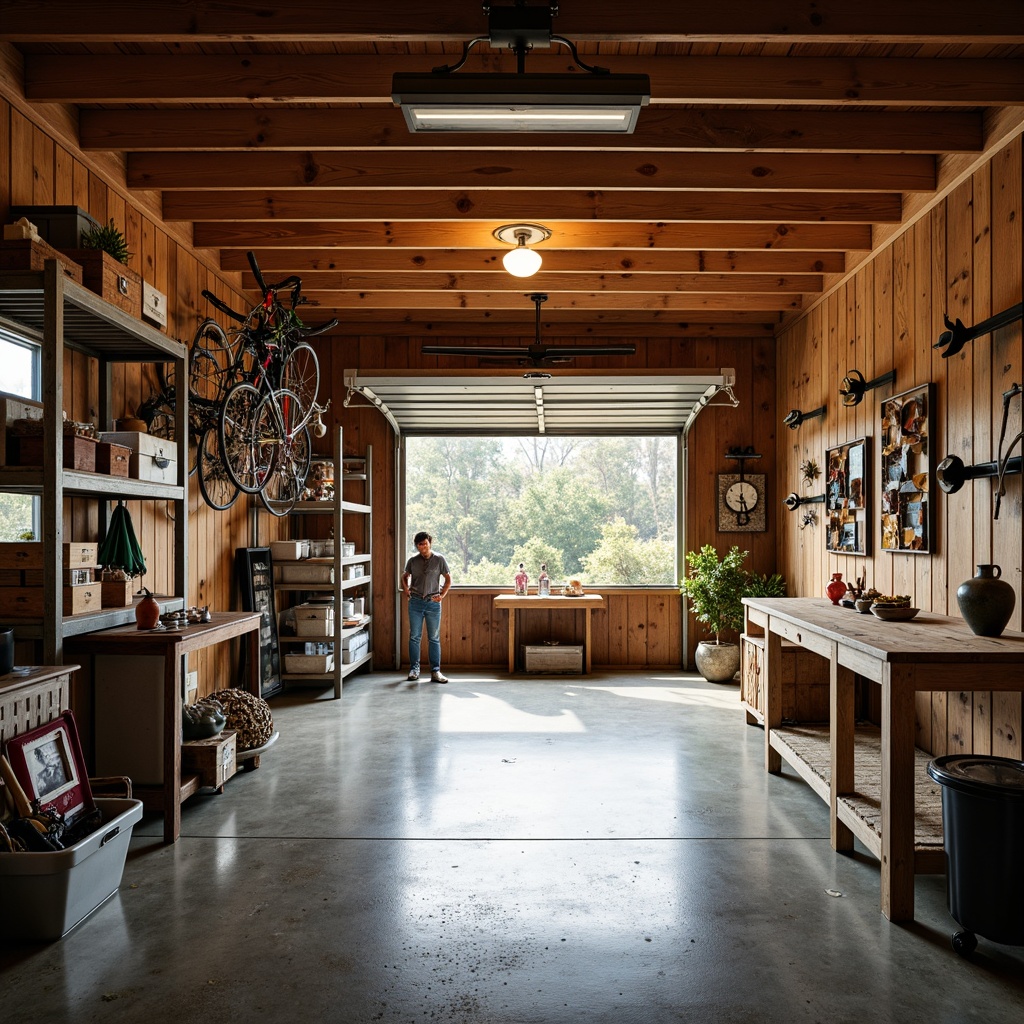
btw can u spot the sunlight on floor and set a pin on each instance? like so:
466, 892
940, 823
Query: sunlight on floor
483, 713
728, 698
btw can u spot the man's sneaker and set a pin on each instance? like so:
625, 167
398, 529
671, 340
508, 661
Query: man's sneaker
414, 673
438, 677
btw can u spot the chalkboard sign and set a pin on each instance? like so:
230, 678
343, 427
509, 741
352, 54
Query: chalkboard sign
256, 582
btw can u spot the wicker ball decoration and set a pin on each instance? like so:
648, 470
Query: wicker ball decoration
248, 715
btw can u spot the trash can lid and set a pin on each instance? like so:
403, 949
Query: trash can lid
977, 772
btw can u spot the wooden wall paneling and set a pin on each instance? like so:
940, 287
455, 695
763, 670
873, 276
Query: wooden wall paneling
1006, 357
63, 177
638, 615
42, 169
21, 169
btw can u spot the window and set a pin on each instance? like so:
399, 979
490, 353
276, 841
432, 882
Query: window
19, 375
599, 509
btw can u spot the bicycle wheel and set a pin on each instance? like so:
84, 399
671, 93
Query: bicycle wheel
248, 440
300, 375
216, 487
288, 478
208, 361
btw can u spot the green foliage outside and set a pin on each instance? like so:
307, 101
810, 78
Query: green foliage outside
15, 516
597, 509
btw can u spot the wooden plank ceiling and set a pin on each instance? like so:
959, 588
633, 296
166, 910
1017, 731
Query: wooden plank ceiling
784, 141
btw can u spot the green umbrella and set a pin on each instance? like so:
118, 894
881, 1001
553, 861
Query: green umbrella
120, 548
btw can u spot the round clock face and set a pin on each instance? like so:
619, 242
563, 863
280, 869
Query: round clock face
741, 496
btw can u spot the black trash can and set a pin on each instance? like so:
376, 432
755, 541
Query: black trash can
983, 834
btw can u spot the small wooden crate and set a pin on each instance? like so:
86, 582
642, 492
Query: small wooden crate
553, 658
112, 459
79, 452
26, 254
804, 681
214, 760
116, 593
113, 281
28, 554
85, 597
309, 664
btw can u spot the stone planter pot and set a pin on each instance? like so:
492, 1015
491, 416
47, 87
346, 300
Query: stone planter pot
717, 663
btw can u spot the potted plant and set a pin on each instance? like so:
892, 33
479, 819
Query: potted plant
765, 585
109, 239
715, 588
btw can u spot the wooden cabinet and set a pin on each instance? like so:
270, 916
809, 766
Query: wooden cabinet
49, 308
804, 682
353, 573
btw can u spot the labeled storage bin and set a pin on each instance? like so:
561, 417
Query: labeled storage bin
44, 895
314, 620
354, 647
355, 572
309, 664
289, 550
309, 571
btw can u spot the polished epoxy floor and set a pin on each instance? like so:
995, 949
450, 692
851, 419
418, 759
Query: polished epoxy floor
537, 849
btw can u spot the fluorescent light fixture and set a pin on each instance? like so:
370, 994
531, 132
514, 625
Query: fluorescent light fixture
446, 102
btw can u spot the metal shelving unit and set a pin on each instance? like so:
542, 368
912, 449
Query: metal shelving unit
341, 511
47, 307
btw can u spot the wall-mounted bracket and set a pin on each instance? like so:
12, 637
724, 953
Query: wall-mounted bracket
854, 387
957, 335
795, 417
794, 501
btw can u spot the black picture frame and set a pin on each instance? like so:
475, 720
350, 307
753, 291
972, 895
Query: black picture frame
255, 570
907, 472
847, 484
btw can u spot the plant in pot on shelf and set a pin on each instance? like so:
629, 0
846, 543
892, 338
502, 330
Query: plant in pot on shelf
109, 239
715, 588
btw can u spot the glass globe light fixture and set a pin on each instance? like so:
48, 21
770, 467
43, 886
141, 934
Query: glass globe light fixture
522, 261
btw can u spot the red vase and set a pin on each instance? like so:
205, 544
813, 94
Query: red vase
147, 612
836, 589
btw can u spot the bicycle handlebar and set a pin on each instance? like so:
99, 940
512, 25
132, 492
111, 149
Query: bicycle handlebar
312, 329
223, 306
256, 272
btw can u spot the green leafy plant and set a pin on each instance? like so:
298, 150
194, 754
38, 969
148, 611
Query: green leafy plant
108, 238
715, 587
765, 585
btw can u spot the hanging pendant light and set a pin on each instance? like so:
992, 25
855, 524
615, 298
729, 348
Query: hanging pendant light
522, 261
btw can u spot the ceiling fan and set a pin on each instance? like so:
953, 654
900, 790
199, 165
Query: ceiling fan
529, 355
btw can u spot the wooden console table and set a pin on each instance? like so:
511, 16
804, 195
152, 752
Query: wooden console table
931, 652
174, 645
513, 602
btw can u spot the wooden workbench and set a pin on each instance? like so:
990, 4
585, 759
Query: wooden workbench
931, 652
174, 645
513, 603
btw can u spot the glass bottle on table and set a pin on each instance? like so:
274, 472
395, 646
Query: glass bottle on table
543, 582
522, 581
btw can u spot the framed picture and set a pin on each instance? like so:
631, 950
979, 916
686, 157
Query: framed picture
846, 505
256, 582
47, 762
906, 471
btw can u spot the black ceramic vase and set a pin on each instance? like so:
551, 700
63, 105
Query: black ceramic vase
986, 602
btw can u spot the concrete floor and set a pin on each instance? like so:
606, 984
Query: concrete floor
540, 849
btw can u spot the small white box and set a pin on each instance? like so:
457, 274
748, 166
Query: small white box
154, 305
354, 572
348, 549
44, 895
355, 653
153, 458
360, 639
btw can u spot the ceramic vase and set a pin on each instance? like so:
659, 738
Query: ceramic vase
836, 588
717, 662
986, 602
147, 612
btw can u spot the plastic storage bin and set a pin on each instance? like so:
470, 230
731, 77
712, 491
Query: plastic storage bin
44, 895
983, 835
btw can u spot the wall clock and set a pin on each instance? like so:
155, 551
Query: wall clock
741, 503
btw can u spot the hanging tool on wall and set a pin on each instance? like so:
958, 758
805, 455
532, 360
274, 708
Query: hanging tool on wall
957, 335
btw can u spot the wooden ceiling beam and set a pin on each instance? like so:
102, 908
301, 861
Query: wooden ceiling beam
386, 169
368, 323
571, 234
277, 263
413, 282
353, 78
597, 20
514, 206
660, 128
557, 300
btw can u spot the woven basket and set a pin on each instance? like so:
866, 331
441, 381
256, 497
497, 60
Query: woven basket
248, 715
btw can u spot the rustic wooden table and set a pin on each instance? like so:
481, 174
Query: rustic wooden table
931, 652
174, 645
514, 602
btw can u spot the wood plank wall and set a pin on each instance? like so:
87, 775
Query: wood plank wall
962, 258
41, 166
639, 628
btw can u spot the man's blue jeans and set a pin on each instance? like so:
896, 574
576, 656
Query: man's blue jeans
420, 611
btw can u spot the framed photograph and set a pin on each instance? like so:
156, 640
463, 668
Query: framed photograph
906, 471
846, 507
47, 762
256, 584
